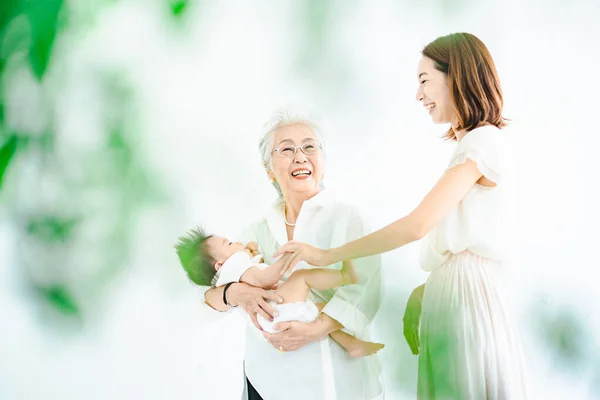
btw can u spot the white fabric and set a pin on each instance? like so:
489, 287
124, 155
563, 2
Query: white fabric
469, 344
480, 221
303, 311
319, 371
235, 266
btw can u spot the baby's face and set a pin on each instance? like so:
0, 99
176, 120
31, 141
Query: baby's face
222, 248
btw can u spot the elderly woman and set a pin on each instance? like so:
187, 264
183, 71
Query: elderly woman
301, 361
469, 347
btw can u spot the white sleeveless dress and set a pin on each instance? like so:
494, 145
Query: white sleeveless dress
469, 347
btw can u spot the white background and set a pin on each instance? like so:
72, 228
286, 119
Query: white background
204, 88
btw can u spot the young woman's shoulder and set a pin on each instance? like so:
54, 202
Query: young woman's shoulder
487, 135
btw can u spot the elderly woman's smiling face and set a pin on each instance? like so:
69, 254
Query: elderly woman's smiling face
300, 172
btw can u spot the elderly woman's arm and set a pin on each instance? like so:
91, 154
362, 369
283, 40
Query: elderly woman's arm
213, 297
252, 299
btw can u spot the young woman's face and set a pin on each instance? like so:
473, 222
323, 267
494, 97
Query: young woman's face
433, 92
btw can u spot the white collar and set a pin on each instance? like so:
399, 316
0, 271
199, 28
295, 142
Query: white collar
274, 215
324, 198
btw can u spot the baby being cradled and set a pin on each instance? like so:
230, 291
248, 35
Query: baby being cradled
215, 261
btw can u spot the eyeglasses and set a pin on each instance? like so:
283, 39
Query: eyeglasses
288, 150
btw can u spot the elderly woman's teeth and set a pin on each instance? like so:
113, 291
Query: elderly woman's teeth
301, 172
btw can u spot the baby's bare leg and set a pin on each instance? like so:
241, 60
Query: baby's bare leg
297, 286
294, 289
355, 347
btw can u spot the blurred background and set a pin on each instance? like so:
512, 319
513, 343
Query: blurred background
124, 123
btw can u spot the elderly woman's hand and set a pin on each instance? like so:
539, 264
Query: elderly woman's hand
293, 335
254, 301
302, 251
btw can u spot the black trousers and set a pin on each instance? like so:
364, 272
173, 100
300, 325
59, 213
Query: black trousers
252, 393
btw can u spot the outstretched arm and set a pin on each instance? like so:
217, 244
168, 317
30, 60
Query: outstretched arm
444, 196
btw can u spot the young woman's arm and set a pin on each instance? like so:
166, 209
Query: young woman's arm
444, 196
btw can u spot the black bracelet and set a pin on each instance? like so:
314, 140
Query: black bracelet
225, 292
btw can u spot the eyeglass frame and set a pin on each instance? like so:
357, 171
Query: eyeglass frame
319, 146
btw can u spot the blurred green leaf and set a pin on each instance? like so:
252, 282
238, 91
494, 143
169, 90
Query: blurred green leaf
44, 141
15, 35
178, 7
138, 186
120, 149
564, 334
7, 152
43, 16
12, 34
316, 15
8, 9
51, 229
60, 298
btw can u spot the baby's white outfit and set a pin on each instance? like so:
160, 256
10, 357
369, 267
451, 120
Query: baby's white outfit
233, 269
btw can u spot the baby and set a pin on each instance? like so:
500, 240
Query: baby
215, 261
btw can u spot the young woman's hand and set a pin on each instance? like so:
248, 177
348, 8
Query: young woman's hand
301, 251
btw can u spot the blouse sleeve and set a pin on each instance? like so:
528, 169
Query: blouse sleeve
487, 148
354, 306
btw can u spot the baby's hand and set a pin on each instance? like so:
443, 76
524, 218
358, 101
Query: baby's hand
252, 248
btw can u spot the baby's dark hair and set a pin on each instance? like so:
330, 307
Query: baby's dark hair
195, 257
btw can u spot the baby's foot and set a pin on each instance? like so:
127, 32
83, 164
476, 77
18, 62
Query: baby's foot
363, 349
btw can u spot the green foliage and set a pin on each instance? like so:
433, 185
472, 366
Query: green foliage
564, 333
60, 298
43, 16
51, 229
7, 153
178, 7
30, 28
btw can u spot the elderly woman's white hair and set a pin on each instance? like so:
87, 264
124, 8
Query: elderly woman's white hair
279, 119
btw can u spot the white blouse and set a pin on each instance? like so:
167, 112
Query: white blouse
479, 223
321, 370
